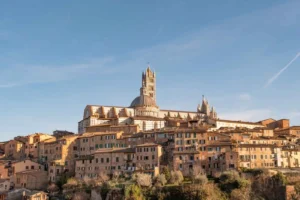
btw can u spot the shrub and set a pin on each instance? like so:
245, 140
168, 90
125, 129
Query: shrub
71, 183
166, 172
52, 188
279, 179
143, 180
81, 196
160, 180
133, 192
102, 177
231, 180
176, 177
116, 175
201, 179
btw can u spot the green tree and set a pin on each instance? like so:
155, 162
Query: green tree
134, 192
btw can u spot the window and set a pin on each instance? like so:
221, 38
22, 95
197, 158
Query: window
27, 167
146, 158
107, 160
117, 159
32, 167
96, 160
153, 157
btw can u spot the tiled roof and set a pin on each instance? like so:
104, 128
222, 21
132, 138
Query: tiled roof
91, 134
240, 122
147, 145
115, 150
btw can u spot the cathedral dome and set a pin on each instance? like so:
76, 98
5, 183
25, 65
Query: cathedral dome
143, 100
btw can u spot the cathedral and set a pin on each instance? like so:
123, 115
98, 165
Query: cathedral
143, 112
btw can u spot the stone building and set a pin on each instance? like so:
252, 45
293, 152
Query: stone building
32, 180
4, 185
287, 156
143, 158
15, 149
58, 154
256, 155
143, 111
273, 124
221, 123
293, 130
88, 143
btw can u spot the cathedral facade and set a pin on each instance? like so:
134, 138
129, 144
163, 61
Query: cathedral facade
143, 112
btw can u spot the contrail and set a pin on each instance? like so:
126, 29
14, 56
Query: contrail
270, 81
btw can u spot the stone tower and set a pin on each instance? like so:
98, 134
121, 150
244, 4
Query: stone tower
149, 84
205, 106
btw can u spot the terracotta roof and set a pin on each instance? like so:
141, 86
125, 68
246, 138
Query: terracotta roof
91, 134
240, 122
50, 140
31, 171
220, 144
256, 145
186, 152
147, 145
115, 150
289, 128
4, 180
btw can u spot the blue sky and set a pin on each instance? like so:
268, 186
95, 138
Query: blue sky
58, 56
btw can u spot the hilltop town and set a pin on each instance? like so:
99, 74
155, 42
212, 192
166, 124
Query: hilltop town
145, 139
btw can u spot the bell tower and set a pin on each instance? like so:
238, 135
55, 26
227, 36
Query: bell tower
149, 83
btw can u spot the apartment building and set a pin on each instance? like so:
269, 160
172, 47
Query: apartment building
88, 143
287, 156
32, 180
293, 130
256, 155
15, 149
59, 155
144, 158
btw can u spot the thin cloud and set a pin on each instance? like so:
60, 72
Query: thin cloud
295, 114
247, 115
24, 74
271, 80
244, 97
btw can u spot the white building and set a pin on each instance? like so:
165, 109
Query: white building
143, 110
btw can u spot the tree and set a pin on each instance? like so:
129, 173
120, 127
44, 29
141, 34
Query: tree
143, 180
176, 177
116, 175
166, 172
197, 171
133, 192
102, 177
81, 196
201, 179
230, 180
160, 180
52, 188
